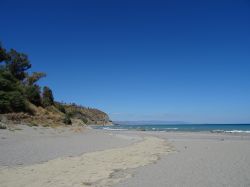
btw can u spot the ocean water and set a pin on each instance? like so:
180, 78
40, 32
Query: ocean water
216, 128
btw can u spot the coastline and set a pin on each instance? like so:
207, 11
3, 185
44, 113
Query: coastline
203, 159
213, 128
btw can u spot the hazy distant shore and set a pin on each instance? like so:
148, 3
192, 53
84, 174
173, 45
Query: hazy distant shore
91, 157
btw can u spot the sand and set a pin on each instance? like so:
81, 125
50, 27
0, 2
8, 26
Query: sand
33, 145
99, 168
38, 156
201, 159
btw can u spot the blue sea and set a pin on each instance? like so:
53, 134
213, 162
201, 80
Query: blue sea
216, 128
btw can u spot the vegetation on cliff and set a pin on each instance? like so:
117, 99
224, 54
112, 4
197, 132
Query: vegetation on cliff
23, 100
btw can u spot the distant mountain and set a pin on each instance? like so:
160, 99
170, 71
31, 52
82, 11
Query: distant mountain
152, 122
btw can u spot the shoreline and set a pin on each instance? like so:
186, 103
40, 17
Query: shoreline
177, 128
223, 158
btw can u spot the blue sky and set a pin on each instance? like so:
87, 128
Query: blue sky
139, 60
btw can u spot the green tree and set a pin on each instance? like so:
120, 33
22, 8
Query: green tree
33, 94
3, 54
48, 98
17, 101
4, 103
12, 101
11, 93
17, 87
18, 63
6, 83
36, 76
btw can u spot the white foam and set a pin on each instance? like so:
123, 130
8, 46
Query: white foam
237, 131
112, 129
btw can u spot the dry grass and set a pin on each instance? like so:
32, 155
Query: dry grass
52, 117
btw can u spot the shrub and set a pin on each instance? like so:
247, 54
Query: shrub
84, 120
12, 102
48, 98
67, 120
4, 103
5, 84
61, 108
17, 101
33, 94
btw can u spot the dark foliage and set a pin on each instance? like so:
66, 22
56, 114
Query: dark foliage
48, 98
36, 76
84, 120
3, 54
12, 101
17, 64
33, 94
60, 107
16, 86
67, 120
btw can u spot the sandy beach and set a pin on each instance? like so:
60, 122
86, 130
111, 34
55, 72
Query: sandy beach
39, 156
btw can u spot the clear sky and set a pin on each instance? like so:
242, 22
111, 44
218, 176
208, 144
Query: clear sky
139, 60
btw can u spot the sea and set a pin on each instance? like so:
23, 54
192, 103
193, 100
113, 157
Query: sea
214, 128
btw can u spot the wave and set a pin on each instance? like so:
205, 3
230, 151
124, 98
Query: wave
230, 131
237, 131
142, 129
163, 129
177, 129
113, 129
